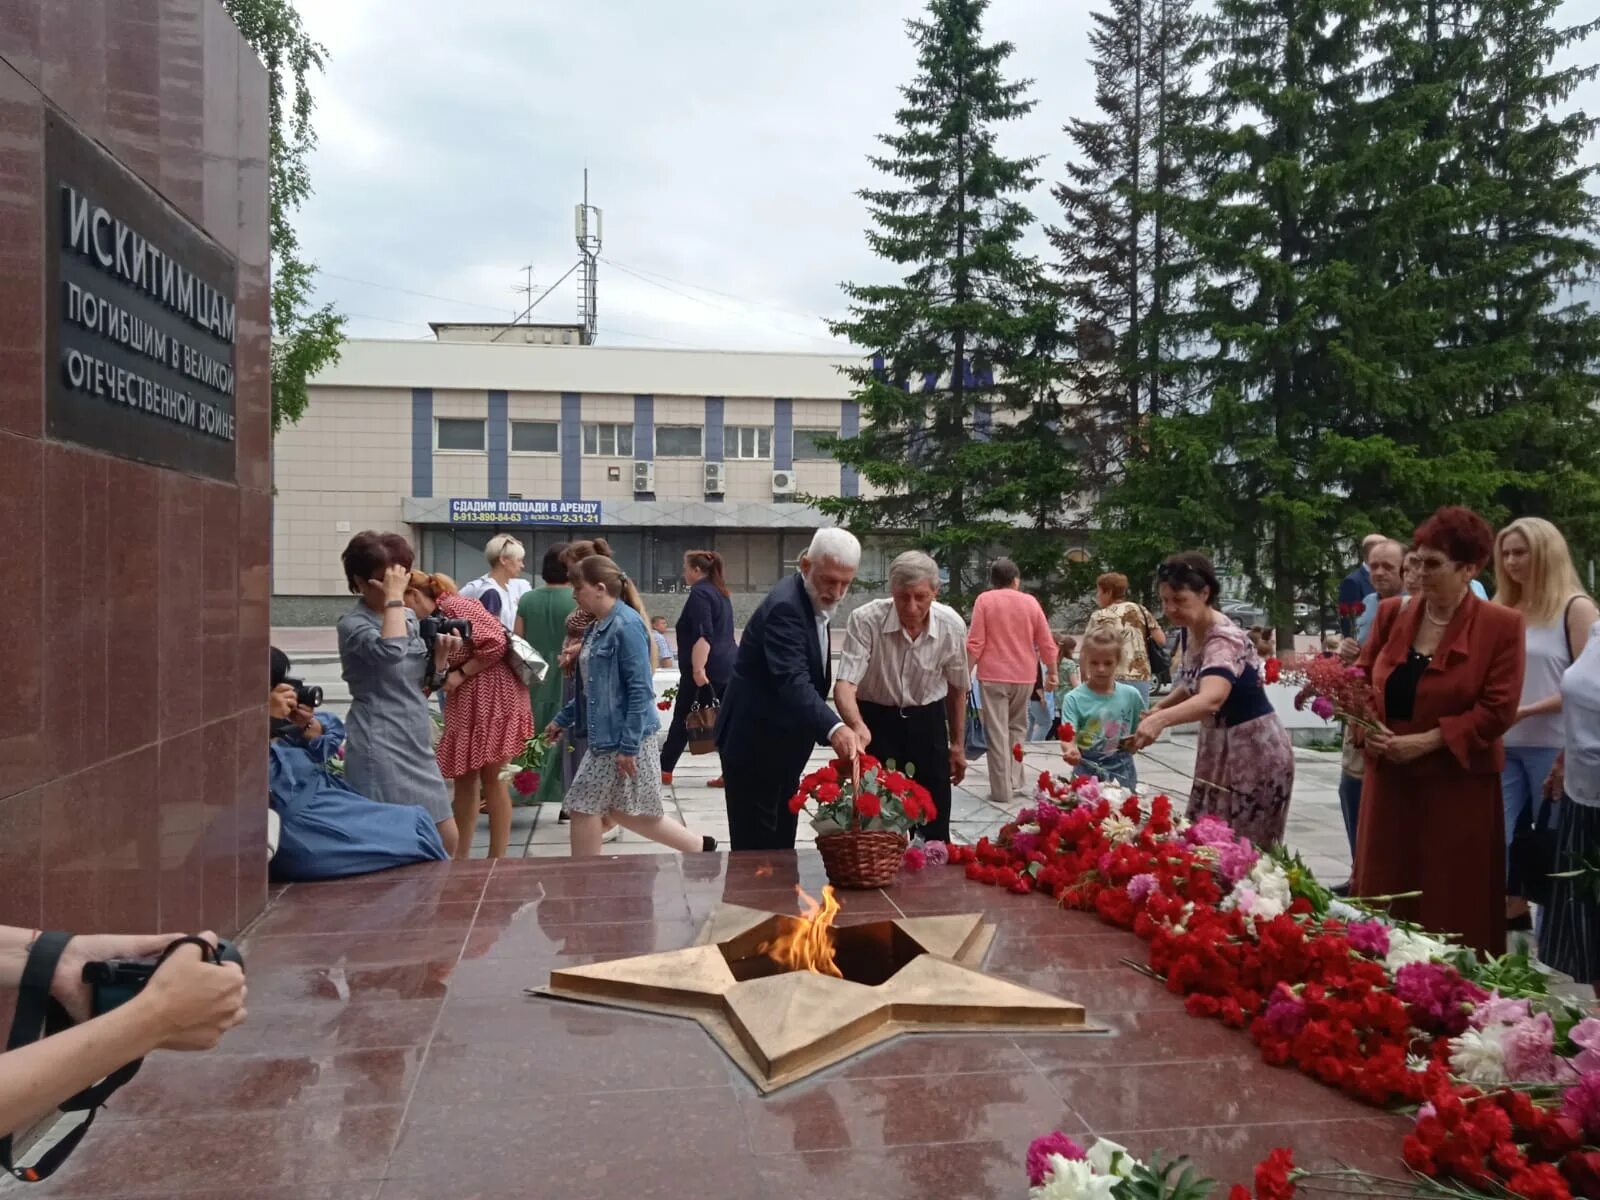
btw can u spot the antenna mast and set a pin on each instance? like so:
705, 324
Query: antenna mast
524, 290
587, 227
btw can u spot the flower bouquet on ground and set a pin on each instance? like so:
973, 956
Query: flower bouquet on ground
862, 813
1332, 691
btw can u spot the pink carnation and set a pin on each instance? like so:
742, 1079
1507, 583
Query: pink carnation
1286, 1013
1582, 1104
1237, 860
1140, 887
915, 859
1370, 938
1322, 707
1210, 831
1024, 843
1586, 1034
1440, 1000
1027, 816
1088, 790
937, 853
1040, 1150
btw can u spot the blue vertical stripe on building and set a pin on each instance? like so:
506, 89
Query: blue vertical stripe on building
714, 406
422, 443
571, 446
849, 426
783, 435
644, 428
499, 436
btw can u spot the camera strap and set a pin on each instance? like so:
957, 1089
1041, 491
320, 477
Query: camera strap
39, 1015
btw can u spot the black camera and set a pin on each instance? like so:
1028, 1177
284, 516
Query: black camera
305, 697
432, 627
114, 982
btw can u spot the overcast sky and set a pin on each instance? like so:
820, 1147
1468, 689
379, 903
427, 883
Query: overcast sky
725, 141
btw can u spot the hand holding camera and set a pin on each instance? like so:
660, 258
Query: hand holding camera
195, 1001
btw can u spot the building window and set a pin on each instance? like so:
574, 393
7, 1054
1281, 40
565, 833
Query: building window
459, 433
678, 441
749, 441
535, 437
608, 441
806, 448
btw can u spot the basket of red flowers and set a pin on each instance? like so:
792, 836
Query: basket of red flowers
863, 810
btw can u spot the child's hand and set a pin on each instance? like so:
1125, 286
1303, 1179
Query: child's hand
1072, 754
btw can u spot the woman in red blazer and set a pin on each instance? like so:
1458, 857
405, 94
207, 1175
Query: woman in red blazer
1446, 673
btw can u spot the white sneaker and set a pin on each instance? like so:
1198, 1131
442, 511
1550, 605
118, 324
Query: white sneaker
611, 834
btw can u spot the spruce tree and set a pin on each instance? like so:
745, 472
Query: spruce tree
1118, 251
1248, 473
964, 433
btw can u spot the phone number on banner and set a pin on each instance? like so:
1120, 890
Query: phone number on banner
528, 512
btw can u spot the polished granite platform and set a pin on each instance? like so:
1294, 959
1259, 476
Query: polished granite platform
391, 1054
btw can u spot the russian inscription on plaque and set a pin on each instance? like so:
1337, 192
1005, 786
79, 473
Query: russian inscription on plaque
142, 329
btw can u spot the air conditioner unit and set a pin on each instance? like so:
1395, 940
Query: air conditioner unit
716, 479
644, 476
783, 483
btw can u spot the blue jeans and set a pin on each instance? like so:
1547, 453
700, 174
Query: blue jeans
1350, 808
1522, 789
1142, 686
1116, 767
1039, 720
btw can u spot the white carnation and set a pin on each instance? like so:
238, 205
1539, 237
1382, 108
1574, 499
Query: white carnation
1406, 948
1479, 1056
1119, 829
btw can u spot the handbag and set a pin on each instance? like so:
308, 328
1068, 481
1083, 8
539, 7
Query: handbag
1160, 660
976, 743
702, 724
525, 662
1534, 856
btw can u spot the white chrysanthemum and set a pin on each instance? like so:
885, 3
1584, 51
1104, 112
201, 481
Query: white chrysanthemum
1070, 1179
1416, 1064
1119, 829
1406, 948
1479, 1056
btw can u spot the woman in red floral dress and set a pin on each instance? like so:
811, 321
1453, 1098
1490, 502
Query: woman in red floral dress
489, 718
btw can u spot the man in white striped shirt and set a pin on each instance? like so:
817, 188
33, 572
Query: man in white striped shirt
902, 683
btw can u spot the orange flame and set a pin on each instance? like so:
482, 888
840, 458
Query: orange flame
809, 945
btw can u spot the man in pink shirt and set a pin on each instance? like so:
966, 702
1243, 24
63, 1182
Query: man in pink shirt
1010, 637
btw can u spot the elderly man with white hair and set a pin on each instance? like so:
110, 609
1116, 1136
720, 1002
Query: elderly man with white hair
773, 713
903, 682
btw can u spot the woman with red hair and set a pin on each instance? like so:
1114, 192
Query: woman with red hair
1446, 678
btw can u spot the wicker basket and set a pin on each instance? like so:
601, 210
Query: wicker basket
868, 858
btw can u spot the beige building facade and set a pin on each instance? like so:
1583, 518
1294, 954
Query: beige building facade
660, 451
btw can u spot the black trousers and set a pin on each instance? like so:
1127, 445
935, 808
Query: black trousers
678, 732
757, 787
918, 738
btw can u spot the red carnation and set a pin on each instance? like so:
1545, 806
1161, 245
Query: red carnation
1016, 751
868, 805
1066, 732
827, 793
1274, 1176
797, 802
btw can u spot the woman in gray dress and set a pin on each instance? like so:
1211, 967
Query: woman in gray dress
389, 752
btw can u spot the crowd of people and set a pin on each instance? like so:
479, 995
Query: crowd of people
1484, 729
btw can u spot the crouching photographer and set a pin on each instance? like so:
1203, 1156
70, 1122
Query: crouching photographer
87, 1012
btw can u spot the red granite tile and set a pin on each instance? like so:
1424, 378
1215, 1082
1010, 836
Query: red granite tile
179, 630
19, 37
1101, 992
101, 847
1217, 1092
133, 85
72, 48
250, 810
255, 1150
253, 380
604, 1175
986, 1170
1135, 1038
394, 917
255, 599
355, 949
219, 600
134, 560
650, 1124
22, 859
528, 939
75, 520
214, 782
572, 1050
23, 745
382, 889
1105, 951
198, 1085
220, 129
21, 241
289, 1028
181, 831
1229, 1154
339, 984
182, 105
254, 147
907, 1111
661, 881
934, 1054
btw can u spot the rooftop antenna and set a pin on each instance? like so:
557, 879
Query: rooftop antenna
524, 290
586, 225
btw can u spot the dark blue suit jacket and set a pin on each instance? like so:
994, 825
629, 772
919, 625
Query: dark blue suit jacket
773, 708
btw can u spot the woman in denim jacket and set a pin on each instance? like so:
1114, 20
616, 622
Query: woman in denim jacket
619, 782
